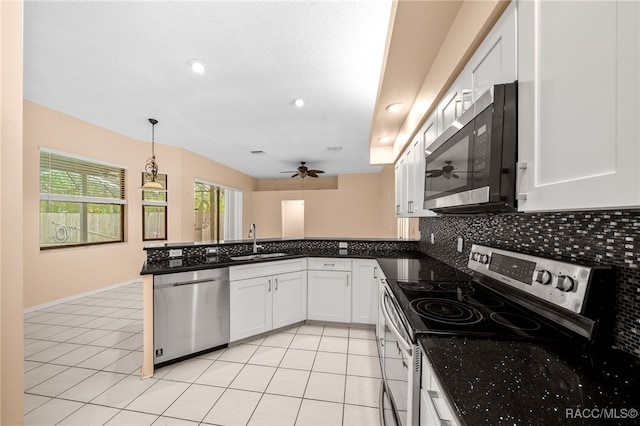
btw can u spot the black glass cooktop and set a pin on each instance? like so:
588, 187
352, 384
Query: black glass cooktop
470, 309
423, 269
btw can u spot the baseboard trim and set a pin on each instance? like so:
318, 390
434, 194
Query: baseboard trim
78, 296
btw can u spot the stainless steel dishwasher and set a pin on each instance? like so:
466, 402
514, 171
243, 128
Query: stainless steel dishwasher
190, 313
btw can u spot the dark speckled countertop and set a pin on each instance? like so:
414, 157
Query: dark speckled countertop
493, 382
169, 266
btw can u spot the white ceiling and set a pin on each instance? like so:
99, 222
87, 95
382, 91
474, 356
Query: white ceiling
117, 63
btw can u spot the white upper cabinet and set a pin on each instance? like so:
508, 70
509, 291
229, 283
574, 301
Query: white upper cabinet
414, 170
401, 190
450, 109
495, 61
579, 97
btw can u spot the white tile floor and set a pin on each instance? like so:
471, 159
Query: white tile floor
82, 361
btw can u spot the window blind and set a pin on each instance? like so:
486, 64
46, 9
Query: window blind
66, 178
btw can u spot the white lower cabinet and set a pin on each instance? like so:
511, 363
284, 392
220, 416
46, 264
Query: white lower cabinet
364, 302
329, 296
329, 286
260, 303
250, 307
266, 296
289, 298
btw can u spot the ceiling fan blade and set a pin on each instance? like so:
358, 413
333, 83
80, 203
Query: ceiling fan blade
454, 175
312, 174
315, 171
294, 175
436, 173
290, 171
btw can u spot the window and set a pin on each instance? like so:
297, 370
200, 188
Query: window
81, 201
218, 212
154, 210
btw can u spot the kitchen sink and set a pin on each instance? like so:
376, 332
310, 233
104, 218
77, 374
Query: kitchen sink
256, 256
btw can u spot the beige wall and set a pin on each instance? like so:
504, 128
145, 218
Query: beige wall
60, 273
11, 208
288, 183
361, 206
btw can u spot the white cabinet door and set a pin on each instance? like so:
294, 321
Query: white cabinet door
578, 105
413, 184
250, 307
401, 193
364, 302
329, 296
450, 108
429, 132
495, 61
289, 298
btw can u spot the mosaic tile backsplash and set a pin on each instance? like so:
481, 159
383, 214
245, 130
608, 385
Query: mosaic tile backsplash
609, 237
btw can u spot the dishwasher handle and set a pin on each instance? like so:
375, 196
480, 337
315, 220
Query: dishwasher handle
190, 282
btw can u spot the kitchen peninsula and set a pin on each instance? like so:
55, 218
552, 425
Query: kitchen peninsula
173, 258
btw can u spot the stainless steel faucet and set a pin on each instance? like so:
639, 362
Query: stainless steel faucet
252, 234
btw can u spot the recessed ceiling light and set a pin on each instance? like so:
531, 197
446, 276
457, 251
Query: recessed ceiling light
299, 103
197, 66
384, 139
394, 107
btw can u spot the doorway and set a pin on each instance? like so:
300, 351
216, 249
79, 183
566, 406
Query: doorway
293, 218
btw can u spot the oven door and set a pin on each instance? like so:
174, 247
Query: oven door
400, 373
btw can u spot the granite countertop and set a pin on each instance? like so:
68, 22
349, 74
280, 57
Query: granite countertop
492, 382
269, 240
170, 266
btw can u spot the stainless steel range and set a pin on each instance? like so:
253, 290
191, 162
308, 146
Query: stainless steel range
510, 296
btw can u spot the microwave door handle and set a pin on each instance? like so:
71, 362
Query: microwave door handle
405, 345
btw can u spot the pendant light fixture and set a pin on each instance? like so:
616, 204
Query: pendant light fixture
151, 168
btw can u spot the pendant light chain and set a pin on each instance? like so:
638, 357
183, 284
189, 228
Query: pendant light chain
151, 168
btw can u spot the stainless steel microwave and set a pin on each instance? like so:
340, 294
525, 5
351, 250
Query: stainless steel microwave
471, 167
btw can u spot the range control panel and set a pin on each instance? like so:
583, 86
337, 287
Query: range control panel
561, 283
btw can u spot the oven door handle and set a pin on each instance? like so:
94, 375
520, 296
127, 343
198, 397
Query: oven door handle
405, 345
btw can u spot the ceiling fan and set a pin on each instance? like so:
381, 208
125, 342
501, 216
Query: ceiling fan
447, 171
303, 171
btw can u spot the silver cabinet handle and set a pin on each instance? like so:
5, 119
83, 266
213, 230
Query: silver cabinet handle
347, 280
276, 284
268, 285
330, 265
522, 166
410, 207
375, 272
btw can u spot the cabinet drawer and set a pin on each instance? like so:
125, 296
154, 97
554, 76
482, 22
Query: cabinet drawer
329, 264
262, 269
